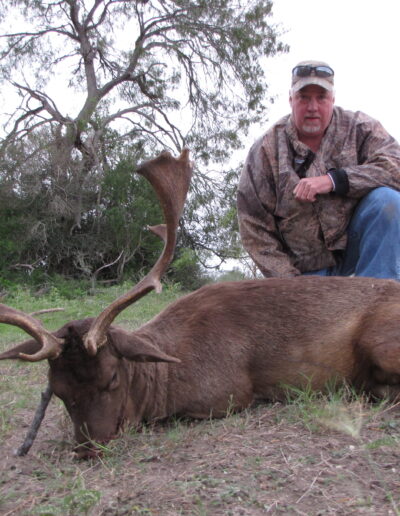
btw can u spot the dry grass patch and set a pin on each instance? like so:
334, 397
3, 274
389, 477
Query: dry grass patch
266, 460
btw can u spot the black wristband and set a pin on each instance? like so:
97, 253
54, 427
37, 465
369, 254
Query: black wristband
340, 179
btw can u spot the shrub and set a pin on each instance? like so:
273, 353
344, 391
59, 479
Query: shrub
187, 270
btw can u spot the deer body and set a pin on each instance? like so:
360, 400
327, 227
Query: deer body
235, 342
246, 340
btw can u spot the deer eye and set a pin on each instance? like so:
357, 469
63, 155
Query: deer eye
114, 382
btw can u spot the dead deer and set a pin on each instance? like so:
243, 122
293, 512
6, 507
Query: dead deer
217, 349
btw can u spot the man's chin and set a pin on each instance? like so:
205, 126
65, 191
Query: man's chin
311, 128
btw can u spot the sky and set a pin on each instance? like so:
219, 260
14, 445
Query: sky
360, 39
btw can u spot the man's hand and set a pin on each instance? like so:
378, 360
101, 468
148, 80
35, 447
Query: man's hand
309, 187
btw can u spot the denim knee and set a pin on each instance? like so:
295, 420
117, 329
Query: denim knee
381, 202
384, 200
373, 248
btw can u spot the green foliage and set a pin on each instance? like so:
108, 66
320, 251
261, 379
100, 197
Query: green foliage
41, 233
129, 205
38, 284
204, 55
339, 407
187, 271
78, 501
210, 225
234, 275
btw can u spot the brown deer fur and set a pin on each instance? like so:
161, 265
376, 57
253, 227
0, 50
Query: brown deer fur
227, 345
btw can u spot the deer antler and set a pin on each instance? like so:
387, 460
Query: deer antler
170, 178
51, 345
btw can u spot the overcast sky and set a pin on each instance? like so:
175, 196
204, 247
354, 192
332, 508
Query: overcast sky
360, 39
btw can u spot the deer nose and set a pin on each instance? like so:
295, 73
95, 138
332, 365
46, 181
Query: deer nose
87, 451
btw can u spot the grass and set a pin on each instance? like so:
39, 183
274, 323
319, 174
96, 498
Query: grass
318, 454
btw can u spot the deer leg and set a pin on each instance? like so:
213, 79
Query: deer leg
380, 339
385, 391
385, 385
380, 344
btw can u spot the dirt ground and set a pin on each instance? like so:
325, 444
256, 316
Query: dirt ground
271, 459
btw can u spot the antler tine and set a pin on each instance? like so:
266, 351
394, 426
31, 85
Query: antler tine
170, 178
51, 345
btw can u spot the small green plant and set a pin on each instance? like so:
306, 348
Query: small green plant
80, 501
176, 428
385, 441
337, 407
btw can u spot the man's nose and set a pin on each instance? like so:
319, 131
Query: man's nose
312, 104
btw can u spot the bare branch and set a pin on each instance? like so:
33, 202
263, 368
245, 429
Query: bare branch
47, 103
37, 420
107, 265
46, 311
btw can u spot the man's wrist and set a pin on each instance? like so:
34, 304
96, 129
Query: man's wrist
332, 181
339, 179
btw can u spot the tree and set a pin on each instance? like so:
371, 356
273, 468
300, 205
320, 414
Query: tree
140, 76
37, 217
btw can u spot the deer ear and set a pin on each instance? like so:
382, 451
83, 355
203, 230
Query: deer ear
137, 349
28, 347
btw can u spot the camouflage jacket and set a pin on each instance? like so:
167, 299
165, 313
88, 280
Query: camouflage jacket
286, 237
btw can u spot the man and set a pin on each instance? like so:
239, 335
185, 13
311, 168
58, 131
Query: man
319, 192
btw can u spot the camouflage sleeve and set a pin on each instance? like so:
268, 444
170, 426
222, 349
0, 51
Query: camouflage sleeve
378, 159
255, 201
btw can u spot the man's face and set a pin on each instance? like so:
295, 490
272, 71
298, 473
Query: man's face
312, 109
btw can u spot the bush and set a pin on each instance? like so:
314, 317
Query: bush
187, 271
233, 275
39, 284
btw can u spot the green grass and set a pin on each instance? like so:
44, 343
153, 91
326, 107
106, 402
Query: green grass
345, 412
82, 307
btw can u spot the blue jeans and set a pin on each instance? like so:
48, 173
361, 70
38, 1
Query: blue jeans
373, 247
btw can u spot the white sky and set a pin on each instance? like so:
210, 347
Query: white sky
360, 39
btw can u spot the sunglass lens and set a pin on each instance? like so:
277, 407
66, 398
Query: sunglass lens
323, 71
302, 71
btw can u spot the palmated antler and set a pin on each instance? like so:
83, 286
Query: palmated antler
170, 178
51, 345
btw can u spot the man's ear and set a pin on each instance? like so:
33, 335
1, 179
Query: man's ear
134, 348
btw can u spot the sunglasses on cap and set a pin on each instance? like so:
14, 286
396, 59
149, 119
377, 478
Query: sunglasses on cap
307, 70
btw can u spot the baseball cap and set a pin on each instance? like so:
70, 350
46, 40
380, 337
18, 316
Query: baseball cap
312, 72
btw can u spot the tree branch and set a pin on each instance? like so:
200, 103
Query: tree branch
35, 425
